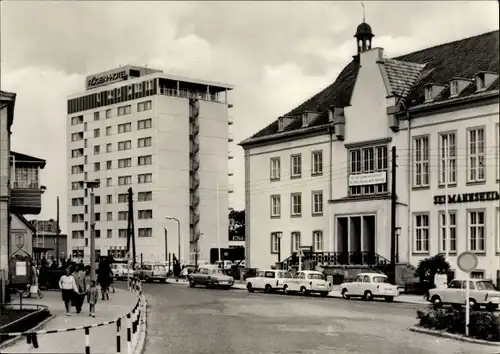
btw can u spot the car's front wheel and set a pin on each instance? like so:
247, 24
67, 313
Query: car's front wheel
250, 288
285, 289
192, 284
344, 294
368, 295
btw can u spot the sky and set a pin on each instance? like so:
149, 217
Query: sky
277, 54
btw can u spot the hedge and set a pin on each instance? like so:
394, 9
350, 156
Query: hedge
482, 325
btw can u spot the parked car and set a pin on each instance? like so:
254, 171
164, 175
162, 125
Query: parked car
121, 271
482, 293
270, 280
369, 286
307, 282
211, 277
152, 272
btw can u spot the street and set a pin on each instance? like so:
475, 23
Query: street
204, 321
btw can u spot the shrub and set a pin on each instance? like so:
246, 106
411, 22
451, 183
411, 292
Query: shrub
482, 325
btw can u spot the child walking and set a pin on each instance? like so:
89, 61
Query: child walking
92, 295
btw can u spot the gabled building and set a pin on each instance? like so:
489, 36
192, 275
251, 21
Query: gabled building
319, 177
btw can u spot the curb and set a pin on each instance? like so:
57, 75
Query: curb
141, 341
14, 340
444, 334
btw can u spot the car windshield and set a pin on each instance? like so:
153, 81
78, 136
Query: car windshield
316, 276
484, 285
380, 280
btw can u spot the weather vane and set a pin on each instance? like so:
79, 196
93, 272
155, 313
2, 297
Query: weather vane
362, 4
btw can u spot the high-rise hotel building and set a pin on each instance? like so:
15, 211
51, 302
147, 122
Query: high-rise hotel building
167, 138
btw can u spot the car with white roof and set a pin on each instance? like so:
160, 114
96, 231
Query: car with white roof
269, 280
482, 294
369, 286
120, 271
307, 282
211, 277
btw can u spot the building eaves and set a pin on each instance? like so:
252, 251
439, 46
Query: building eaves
8, 99
23, 158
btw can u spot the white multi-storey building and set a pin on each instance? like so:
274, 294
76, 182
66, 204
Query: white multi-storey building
319, 177
166, 137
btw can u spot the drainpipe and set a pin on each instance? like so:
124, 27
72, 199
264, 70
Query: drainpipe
330, 187
410, 171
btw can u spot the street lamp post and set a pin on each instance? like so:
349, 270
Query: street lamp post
166, 245
178, 235
92, 185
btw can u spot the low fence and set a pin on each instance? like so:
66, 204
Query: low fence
133, 318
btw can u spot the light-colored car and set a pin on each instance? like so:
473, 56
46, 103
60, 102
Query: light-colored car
307, 282
269, 280
211, 277
152, 272
482, 293
369, 286
120, 271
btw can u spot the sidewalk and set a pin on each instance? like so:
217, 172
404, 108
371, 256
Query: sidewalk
102, 339
403, 298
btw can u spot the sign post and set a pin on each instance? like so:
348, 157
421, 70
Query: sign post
301, 254
467, 262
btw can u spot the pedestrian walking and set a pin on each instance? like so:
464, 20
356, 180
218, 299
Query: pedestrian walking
79, 296
184, 273
68, 288
104, 278
92, 296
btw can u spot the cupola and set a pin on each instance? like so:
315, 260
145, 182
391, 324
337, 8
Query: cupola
364, 37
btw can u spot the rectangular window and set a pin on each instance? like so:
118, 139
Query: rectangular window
144, 196
144, 124
144, 106
296, 166
76, 120
96, 116
97, 149
77, 234
421, 236
448, 231
318, 241
122, 198
109, 182
144, 160
97, 200
109, 233
109, 199
122, 215
97, 133
109, 216
275, 206
108, 113
76, 136
145, 214
421, 161
77, 218
275, 168
76, 186
97, 166
122, 233
454, 88
476, 234
111, 95
75, 153
317, 202
124, 128
109, 165
144, 142
77, 169
109, 147
275, 242
295, 241
368, 161
124, 180
76, 201
97, 216
124, 163
317, 163
475, 155
145, 232
447, 158
124, 145
296, 204
145, 178
108, 130
123, 110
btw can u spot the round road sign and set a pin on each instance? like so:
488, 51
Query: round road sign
467, 261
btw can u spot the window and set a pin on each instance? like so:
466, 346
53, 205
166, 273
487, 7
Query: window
76, 120
123, 110
76, 136
97, 133
75, 153
447, 158
124, 180
144, 124
454, 88
77, 234
480, 81
318, 241
123, 163
76, 185
296, 166
498, 151
317, 203
368, 160
76, 169
108, 130
97, 216
96, 116
421, 160
109, 182
122, 233
77, 252
145, 214
421, 238
479, 275
97, 149
123, 215
476, 155
144, 142
122, 198
149, 85
97, 166
428, 93
275, 206
109, 165
275, 168
124, 145
145, 232
76, 201
109, 233
275, 242
295, 241
448, 231
138, 87
145, 178
124, 128
109, 199
475, 223
111, 95
145, 160
317, 163
144, 196
77, 218
108, 113
296, 204
144, 106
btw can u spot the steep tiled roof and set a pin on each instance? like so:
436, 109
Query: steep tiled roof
408, 73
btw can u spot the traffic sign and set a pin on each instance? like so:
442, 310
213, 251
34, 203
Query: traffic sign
467, 262
300, 253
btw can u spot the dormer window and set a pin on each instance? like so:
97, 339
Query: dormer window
480, 85
454, 88
428, 93
280, 124
305, 120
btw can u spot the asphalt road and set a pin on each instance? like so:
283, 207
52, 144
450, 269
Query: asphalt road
182, 320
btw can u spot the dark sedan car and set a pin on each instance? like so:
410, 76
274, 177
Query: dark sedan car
211, 277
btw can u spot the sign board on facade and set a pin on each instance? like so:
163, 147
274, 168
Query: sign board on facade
467, 197
366, 179
106, 78
236, 238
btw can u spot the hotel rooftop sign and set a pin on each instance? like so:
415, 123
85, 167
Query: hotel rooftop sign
106, 78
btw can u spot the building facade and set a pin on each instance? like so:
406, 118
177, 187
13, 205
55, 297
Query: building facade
45, 240
167, 138
320, 178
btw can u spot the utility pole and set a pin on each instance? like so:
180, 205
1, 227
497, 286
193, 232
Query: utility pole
166, 245
58, 232
393, 216
92, 185
130, 228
